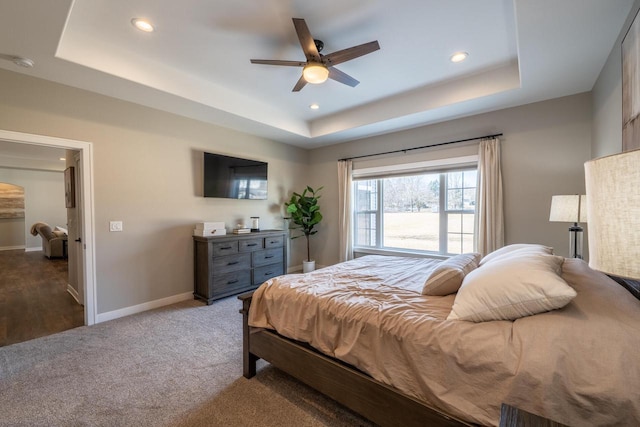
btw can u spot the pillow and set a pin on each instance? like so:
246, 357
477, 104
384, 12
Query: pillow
513, 287
59, 233
516, 248
447, 277
64, 230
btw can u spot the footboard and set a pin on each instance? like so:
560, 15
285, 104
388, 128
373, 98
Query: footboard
359, 392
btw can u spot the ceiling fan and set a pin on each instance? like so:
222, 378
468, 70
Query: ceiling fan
318, 67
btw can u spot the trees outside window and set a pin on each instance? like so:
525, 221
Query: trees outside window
430, 212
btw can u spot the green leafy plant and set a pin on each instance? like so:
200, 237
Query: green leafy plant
305, 213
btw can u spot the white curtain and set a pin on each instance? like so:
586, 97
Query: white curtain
345, 169
489, 215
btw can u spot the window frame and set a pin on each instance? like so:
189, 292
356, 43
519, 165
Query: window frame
444, 213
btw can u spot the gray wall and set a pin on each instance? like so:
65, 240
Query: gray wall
147, 173
12, 233
607, 98
43, 202
543, 150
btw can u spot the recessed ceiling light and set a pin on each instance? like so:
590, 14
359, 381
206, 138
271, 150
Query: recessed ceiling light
142, 25
314, 106
62, 158
459, 56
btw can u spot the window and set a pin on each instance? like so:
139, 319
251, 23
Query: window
430, 212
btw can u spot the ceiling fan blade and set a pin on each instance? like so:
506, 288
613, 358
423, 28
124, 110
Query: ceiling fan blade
278, 62
341, 77
306, 40
301, 83
344, 55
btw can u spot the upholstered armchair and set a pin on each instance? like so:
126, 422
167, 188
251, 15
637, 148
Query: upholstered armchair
53, 242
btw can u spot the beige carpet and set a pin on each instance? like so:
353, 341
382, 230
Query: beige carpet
176, 366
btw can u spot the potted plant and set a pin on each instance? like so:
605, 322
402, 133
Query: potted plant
305, 213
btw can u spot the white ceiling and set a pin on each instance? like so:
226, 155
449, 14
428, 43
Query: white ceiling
196, 63
29, 156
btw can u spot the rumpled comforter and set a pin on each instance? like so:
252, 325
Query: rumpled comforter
578, 365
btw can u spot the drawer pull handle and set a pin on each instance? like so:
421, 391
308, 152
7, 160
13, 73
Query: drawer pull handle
232, 263
252, 244
273, 241
268, 273
267, 257
225, 248
231, 282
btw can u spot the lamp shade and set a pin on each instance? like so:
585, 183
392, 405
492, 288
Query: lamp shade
315, 73
613, 207
571, 208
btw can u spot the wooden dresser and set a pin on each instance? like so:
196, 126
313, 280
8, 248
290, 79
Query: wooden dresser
235, 263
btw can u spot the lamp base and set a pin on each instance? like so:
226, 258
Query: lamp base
575, 241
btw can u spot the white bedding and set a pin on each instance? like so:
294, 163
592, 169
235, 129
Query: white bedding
578, 365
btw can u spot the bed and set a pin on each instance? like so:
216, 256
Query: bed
363, 333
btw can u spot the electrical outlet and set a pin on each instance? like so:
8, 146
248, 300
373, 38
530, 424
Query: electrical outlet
115, 225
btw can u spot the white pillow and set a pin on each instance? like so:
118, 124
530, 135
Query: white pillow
447, 277
511, 288
515, 249
64, 230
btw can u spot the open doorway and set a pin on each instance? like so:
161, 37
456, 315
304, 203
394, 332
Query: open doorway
81, 243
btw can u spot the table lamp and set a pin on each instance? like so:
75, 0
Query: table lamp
570, 208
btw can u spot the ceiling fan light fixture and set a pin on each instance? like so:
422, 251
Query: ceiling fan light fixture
315, 73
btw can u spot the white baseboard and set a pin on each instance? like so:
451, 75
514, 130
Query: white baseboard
74, 294
115, 314
298, 268
38, 248
11, 248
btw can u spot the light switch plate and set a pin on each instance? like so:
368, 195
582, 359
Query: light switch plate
115, 225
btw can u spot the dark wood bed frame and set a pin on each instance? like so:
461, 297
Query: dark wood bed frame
347, 385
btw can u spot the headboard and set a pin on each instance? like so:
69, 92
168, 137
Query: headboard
632, 286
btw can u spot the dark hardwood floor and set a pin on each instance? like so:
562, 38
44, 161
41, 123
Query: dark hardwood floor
34, 301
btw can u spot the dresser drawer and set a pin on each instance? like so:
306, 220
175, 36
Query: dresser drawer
229, 282
225, 248
250, 245
225, 264
267, 256
260, 274
274, 242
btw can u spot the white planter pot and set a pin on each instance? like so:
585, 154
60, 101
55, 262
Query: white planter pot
308, 266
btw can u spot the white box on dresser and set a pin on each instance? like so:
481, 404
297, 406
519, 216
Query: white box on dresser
210, 225
209, 232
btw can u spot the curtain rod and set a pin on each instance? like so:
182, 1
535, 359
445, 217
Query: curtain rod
404, 150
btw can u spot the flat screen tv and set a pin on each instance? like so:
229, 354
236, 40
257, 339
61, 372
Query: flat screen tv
234, 178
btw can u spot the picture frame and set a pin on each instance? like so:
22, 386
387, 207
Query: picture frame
11, 201
69, 187
631, 87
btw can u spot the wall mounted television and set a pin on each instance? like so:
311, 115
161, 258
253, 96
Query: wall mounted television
234, 178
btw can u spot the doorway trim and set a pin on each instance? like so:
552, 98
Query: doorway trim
88, 224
